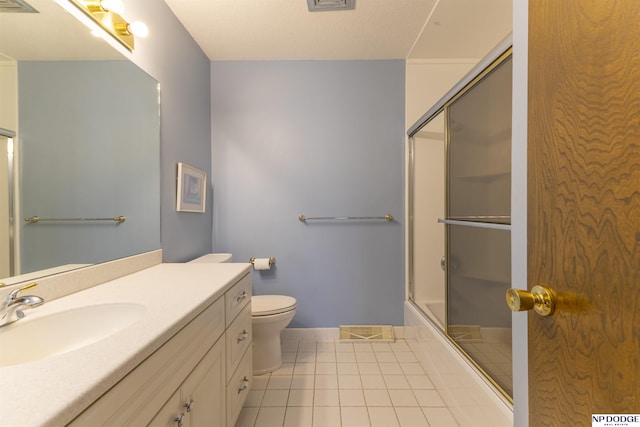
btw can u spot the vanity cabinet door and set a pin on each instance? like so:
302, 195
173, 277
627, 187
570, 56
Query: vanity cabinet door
200, 400
203, 392
169, 414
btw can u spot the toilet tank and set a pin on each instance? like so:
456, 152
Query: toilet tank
213, 258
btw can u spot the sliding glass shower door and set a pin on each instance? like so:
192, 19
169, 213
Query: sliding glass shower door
460, 215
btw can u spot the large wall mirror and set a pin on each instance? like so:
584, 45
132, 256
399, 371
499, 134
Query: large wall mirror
80, 143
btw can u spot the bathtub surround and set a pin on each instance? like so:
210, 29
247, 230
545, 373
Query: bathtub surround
320, 138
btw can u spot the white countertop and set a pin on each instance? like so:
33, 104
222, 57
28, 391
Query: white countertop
53, 391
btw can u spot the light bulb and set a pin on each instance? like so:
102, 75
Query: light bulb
138, 28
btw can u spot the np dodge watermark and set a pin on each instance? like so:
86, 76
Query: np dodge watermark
615, 420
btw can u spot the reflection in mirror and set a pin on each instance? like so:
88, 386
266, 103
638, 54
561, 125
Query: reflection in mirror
86, 147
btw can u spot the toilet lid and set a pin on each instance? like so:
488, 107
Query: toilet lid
264, 305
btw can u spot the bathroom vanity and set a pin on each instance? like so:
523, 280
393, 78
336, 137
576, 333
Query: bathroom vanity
183, 360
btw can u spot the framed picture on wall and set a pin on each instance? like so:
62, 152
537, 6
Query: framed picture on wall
192, 192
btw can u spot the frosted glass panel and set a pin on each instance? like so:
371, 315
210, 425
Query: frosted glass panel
478, 276
479, 125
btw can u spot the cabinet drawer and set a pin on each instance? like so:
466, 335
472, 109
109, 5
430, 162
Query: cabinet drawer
237, 298
238, 339
238, 388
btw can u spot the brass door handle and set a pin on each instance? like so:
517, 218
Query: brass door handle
541, 299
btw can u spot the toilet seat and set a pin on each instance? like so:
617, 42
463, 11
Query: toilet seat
267, 305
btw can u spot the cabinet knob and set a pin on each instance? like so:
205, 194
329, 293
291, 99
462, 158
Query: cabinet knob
243, 336
244, 386
189, 405
242, 296
178, 420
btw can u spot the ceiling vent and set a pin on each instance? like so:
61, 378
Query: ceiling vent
325, 5
15, 6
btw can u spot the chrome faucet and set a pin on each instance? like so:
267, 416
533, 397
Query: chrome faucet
14, 306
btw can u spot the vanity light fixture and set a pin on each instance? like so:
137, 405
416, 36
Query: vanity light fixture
108, 15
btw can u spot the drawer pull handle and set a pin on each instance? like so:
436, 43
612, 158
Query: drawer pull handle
244, 386
189, 405
178, 420
243, 336
242, 296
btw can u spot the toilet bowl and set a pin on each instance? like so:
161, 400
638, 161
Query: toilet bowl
270, 314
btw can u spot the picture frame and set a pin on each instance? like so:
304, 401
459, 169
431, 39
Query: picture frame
192, 190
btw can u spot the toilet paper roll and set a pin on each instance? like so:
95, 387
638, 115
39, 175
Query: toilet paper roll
261, 264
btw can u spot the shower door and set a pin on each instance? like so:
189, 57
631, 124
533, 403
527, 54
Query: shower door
460, 214
478, 222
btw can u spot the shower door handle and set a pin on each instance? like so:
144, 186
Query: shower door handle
541, 299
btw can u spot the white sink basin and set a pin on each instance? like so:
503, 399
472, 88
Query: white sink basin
28, 340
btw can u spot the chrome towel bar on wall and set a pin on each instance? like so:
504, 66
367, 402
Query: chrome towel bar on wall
36, 219
387, 217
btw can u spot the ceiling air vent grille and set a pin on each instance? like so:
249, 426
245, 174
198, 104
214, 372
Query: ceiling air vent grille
324, 5
15, 6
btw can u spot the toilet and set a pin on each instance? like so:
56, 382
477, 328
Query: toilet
270, 314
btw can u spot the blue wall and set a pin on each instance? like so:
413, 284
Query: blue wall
174, 59
320, 138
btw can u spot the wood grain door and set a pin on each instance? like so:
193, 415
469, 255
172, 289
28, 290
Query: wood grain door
584, 208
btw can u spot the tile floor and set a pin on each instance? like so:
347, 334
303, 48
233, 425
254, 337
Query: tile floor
407, 383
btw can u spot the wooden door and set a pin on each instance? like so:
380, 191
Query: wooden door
584, 208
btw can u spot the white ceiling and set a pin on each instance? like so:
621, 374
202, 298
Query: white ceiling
376, 29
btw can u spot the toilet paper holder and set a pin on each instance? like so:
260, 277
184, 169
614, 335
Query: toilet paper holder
272, 260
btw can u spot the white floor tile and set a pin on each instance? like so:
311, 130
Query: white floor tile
421, 382
254, 398
326, 416
413, 417
390, 368
428, 398
345, 356
300, 398
386, 356
377, 398
298, 417
304, 369
374, 381
366, 357
303, 382
270, 417
440, 417
400, 384
368, 368
326, 368
326, 382
402, 398
396, 382
351, 397
275, 398
326, 357
279, 382
355, 417
347, 368
383, 417
326, 397
349, 381
306, 357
